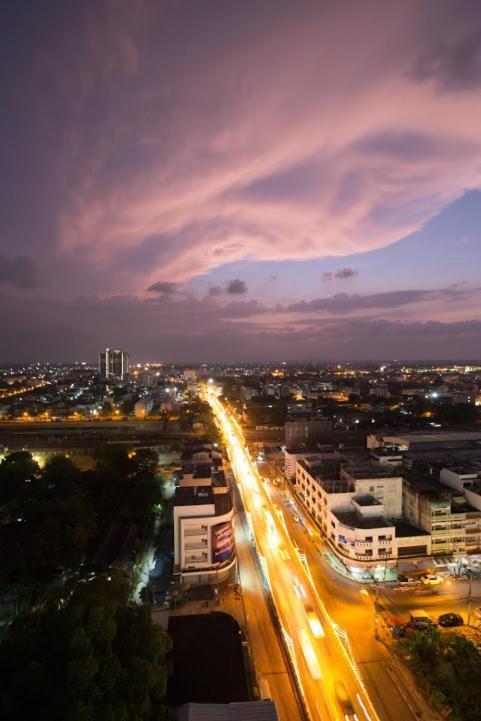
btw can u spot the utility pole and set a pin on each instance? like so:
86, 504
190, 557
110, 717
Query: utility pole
376, 608
470, 591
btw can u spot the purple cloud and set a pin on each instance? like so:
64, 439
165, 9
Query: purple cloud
341, 274
236, 287
166, 289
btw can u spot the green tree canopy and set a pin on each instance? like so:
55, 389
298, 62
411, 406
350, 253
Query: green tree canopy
87, 655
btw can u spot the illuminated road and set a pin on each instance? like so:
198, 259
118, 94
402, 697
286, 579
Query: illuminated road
320, 652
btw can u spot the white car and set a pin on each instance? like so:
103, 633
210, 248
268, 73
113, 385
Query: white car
430, 579
299, 589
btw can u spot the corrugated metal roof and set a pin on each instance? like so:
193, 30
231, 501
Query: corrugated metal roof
241, 711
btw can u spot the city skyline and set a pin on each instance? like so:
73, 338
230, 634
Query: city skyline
299, 182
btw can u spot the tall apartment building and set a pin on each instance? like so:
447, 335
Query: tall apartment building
114, 364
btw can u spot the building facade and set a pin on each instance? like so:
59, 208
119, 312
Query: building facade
114, 364
360, 513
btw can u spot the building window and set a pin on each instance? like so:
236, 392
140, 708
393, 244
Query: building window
368, 539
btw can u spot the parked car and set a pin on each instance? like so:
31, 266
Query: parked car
450, 620
420, 620
431, 579
406, 580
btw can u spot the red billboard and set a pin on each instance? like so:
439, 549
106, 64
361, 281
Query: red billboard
223, 543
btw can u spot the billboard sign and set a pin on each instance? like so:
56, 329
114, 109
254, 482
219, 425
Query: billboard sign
222, 542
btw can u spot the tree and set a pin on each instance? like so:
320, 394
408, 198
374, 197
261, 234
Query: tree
87, 655
450, 668
19, 480
146, 459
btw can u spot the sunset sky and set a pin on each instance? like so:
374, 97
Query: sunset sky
199, 180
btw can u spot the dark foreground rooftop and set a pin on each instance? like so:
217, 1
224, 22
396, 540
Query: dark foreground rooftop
208, 661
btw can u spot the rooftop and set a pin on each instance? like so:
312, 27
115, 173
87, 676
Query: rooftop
350, 518
222, 503
366, 501
435, 437
193, 496
405, 530
368, 470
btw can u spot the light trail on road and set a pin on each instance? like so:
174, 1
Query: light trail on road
327, 676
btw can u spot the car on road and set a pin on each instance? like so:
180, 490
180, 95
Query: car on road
450, 620
284, 553
431, 579
310, 655
299, 589
314, 623
419, 620
296, 517
407, 580
345, 703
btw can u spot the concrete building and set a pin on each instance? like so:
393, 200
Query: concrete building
449, 440
204, 546
143, 407
247, 393
114, 364
453, 523
236, 711
189, 374
306, 432
293, 455
360, 513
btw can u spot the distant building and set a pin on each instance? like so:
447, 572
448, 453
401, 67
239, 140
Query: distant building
189, 374
143, 407
305, 431
114, 364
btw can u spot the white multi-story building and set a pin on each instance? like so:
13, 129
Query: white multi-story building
361, 512
204, 546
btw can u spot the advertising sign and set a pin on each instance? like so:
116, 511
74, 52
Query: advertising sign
222, 542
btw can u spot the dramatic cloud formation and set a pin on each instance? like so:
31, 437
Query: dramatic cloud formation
341, 274
236, 287
453, 64
165, 288
152, 144
206, 331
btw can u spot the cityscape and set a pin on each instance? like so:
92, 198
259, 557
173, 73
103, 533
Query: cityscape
240, 361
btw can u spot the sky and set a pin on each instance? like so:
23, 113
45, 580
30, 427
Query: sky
199, 180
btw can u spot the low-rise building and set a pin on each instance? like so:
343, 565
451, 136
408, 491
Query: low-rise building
444, 514
143, 407
360, 513
204, 546
305, 431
